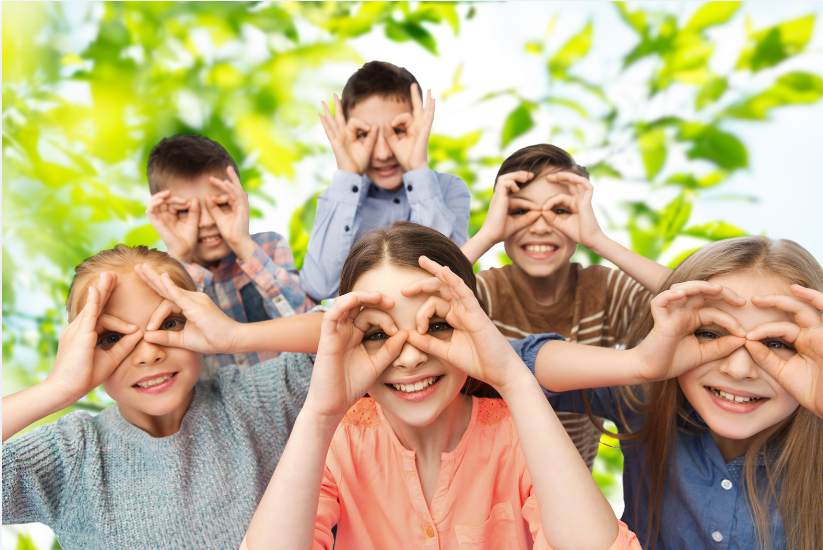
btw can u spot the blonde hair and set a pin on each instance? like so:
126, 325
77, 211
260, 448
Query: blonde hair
121, 259
792, 451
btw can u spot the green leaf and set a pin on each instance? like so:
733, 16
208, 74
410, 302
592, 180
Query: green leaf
715, 231
457, 86
409, 30
603, 170
571, 52
790, 89
711, 92
517, 123
575, 106
635, 19
674, 216
300, 227
711, 14
652, 146
24, 542
682, 256
772, 45
143, 234
712, 144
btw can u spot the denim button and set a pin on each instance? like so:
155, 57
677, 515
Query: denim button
717, 536
726, 484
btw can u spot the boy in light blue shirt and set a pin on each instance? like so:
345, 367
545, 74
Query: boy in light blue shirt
380, 136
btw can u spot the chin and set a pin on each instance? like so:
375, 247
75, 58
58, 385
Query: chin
389, 184
213, 255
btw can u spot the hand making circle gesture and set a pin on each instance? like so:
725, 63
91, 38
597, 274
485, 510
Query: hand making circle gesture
177, 221
671, 348
476, 346
344, 370
573, 214
352, 141
408, 133
507, 215
799, 374
230, 210
93, 345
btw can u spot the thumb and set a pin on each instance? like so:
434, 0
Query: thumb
117, 354
429, 344
390, 135
766, 358
164, 338
389, 351
717, 349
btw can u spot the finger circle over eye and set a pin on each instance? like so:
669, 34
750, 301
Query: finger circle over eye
433, 306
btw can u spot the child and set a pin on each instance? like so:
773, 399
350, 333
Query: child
541, 209
719, 454
422, 463
379, 135
176, 463
204, 221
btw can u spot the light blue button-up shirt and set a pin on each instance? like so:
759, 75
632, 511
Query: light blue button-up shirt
353, 205
705, 506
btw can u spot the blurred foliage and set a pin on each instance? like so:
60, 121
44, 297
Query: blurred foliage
80, 116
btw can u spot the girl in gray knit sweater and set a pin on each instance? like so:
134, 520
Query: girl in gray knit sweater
176, 463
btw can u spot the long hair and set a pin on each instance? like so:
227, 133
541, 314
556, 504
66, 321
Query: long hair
401, 245
792, 451
121, 259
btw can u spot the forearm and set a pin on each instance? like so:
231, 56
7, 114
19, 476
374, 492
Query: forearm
287, 513
573, 510
297, 333
476, 247
26, 407
566, 366
647, 272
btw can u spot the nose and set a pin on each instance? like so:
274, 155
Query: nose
739, 365
382, 151
540, 226
146, 354
410, 358
205, 216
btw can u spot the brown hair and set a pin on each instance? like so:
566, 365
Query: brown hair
186, 156
792, 451
401, 245
536, 158
122, 259
378, 78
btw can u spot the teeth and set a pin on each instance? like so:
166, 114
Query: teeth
540, 248
154, 381
417, 386
210, 239
734, 398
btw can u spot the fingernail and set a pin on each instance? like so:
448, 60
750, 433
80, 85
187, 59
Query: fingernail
420, 329
394, 329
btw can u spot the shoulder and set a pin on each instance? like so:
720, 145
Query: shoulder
363, 414
452, 184
265, 377
493, 280
268, 237
69, 434
492, 412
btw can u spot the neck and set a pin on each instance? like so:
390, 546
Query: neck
442, 435
733, 448
546, 291
158, 426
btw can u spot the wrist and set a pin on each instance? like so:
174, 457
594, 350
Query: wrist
414, 164
598, 243
244, 247
54, 397
182, 257
519, 380
324, 422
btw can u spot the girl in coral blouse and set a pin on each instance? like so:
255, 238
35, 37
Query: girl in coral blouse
423, 462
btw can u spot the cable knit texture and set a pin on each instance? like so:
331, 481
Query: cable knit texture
100, 482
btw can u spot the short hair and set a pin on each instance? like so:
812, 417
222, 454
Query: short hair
378, 78
401, 245
536, 158
122, 259
186, 156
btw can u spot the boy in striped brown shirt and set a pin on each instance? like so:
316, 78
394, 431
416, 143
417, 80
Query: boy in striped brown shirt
541, 210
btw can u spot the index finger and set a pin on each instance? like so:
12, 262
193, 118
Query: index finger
564, 177
166, 308
809, 294
520, 176
416, 100
802, 311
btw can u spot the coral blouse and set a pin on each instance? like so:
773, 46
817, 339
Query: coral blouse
484, 496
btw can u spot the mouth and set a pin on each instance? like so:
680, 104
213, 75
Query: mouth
385, 171
539, 250
735, 402
156, 383
211, 240
415, 391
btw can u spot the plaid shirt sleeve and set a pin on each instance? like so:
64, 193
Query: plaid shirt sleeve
271, 269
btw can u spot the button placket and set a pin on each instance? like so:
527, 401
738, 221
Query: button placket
717, 536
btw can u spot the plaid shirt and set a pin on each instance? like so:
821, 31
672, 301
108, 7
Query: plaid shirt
271, 270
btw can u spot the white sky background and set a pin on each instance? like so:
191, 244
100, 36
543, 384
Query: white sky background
783, 152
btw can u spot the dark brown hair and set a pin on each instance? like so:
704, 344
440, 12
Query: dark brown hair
378, 78
122, 259
536, 158
401, 245
186, 156
792, 451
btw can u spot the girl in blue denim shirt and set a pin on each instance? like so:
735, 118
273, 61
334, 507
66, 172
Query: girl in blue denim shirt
720, 406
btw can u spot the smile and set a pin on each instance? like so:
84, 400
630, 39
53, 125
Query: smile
386, 170
416, 391
539, 248
417, 386
157, 383
734, 398
210, 240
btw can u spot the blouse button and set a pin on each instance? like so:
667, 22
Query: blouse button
717, 536
429, 531
726, 484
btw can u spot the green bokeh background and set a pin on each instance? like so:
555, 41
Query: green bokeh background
88, 89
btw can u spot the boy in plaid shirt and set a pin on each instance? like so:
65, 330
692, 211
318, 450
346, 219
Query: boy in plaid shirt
203, 218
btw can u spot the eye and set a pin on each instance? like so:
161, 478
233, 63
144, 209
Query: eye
376, 336
173, 323
777, 345
439, 326
706, 335
362, 135
225, 206
108, 339
517, 212
561, 210
182, 213
399, 131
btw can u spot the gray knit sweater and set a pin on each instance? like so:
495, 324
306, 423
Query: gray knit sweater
100, 482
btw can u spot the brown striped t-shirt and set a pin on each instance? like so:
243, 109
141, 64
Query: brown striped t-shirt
597, 309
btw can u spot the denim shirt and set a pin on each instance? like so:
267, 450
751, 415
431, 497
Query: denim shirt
705, 507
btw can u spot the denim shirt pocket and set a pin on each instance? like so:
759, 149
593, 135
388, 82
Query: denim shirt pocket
497, 533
